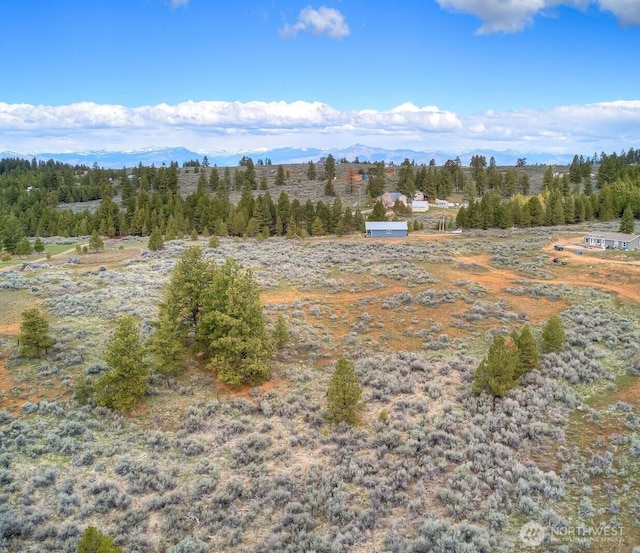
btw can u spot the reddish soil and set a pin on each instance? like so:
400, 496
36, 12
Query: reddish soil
13, 403
11, 329
631, 394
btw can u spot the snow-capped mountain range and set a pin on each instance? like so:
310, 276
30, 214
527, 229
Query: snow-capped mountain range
158, 156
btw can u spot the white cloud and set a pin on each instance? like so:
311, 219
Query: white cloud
608, 126
510, 16
237, 126
323, 21
254, 116
627, 11
175, 4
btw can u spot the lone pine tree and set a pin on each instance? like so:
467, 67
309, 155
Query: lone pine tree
280, 332
344, 394
34, 333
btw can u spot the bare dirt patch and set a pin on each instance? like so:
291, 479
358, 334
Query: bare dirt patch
111, 257
631, 393
617, 277
14, 393
12, 329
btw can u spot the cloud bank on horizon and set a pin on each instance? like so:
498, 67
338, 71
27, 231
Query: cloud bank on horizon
511, 16
236, 126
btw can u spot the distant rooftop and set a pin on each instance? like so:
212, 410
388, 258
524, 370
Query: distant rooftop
385, 225
613, 236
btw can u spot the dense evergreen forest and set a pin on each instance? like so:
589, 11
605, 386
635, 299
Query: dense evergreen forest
139, 200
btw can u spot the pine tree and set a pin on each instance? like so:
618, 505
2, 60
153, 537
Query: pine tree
34, 333
94, 541
318, 228
126, 381
168, 345
378, 213
528, 356
311, 171
344, 394
496, 373
10, 232
214, 179
376, 181
330, 168
406, 179
280, 332
183, 295
96, 243
155, 239
180, 310
232, 327
627, 223
348, 220
38, 246
171, 232
553, 335
252, 228
329, 190
24, 247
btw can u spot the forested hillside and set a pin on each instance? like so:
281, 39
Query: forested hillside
52, 199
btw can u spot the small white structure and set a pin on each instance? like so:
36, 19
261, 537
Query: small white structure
420, 206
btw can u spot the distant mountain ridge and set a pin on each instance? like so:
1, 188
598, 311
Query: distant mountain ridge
157, 156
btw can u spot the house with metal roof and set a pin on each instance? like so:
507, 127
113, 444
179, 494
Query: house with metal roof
612, 240
386, 229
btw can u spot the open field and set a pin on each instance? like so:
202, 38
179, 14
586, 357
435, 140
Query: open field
50, 249
432, 467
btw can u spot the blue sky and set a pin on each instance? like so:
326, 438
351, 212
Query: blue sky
454, 75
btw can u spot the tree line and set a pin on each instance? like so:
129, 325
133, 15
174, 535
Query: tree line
135, 202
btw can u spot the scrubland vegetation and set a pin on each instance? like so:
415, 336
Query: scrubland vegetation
430, 466
410, 459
